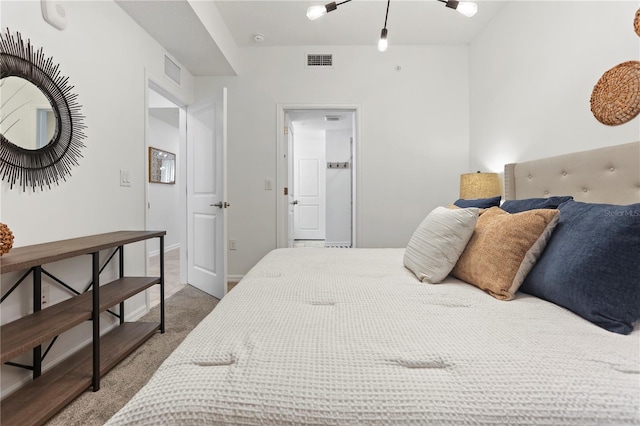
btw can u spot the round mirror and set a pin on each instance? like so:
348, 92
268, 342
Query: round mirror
27, 118
41, 127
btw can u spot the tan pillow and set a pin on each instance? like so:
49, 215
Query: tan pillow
503, 249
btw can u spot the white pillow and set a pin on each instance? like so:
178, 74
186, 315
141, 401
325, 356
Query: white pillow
438, 242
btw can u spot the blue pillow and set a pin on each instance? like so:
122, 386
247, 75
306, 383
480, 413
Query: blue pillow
517, 206
591, 264
481, 203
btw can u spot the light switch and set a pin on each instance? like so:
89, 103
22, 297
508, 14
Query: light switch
124, 178
267, 185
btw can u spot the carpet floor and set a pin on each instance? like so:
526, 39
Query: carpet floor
183, 311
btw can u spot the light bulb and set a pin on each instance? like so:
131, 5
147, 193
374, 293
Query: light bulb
467, 8
383, 43
315, 12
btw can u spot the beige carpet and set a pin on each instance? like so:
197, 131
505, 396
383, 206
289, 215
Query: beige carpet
183, 311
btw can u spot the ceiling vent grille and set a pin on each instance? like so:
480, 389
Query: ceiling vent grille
172, 70
319, 60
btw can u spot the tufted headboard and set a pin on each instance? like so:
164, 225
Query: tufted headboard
605, 175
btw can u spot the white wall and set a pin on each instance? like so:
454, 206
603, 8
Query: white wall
339, 188
164, 206
107, 57
414, 135
532, 71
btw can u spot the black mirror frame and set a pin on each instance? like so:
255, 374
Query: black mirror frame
44, 166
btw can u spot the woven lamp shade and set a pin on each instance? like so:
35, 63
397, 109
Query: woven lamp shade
636, 22
479, 185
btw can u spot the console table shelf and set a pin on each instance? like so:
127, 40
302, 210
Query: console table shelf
40, 254
36, 402
52, 391
28, 332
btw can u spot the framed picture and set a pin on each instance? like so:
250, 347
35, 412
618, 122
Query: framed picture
162, 166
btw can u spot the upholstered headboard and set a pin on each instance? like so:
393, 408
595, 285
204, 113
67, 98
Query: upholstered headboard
604, 175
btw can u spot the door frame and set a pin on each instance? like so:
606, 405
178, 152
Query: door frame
281, 168
152, 83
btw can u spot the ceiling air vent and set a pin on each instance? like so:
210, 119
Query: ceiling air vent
319, 60
172, 70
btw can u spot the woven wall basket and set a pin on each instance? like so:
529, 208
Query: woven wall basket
636, 22
616, 97
6, 239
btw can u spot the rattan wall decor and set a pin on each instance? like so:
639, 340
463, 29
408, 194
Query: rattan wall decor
44, 165
6, 239
616, 97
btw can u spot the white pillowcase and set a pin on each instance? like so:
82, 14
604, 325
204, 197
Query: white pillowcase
438, 242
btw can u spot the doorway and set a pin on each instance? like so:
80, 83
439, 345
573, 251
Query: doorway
317, 175
165, 127
200, 181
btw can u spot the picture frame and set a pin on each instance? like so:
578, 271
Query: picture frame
162, 166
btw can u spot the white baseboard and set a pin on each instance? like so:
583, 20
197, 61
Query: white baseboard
234, 278
137, 314
166, 249
337, 243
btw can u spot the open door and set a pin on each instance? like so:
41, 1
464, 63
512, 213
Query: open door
206, 195
309, 192
289, 178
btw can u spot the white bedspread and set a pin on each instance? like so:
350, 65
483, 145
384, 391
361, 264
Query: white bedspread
349, 336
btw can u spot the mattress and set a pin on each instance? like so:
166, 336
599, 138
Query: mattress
350, 336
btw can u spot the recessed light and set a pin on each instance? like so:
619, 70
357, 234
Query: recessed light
258, 38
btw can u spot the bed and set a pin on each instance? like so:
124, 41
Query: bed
352, 336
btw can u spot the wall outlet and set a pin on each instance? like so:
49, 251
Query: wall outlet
46, 296
232, 244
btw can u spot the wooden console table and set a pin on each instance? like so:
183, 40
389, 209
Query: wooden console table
40, 399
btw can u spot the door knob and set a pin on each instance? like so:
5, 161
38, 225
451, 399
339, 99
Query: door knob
221, 205
294, 202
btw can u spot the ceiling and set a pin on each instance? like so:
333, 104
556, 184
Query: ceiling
176, 26
413, 22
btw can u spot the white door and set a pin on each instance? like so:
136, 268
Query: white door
309, 168
206, 195
291, 203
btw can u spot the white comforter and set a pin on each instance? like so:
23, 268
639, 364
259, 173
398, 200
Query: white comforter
341, 337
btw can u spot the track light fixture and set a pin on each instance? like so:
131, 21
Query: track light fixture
315, 12
466, 8
383, 43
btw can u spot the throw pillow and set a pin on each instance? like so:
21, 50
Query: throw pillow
592, 264
436, 244
517, 206
482, 203
503, 249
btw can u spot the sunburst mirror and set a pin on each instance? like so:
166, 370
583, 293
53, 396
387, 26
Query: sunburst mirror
41, 126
